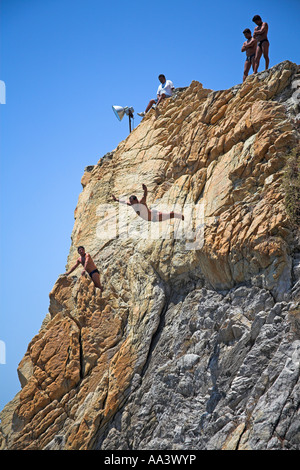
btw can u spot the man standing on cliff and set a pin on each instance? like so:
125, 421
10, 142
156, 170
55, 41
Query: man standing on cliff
249, 47
165, 90
260, 34
89, 266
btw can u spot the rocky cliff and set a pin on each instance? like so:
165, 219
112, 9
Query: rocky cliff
195, 341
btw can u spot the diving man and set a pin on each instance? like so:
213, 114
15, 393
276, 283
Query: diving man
141, 208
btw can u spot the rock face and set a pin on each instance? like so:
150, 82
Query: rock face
195, 342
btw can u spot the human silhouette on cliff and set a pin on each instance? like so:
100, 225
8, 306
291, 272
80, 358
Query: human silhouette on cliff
89, 266
141, 208
249, 47
260, 34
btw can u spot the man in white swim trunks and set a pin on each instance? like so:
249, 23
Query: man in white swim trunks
165, 90
141, 208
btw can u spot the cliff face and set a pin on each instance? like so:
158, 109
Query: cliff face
195, 342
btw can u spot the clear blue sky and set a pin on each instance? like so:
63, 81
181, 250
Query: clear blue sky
65, 63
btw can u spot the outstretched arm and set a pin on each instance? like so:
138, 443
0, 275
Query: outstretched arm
143, 200
118, 200
73, 268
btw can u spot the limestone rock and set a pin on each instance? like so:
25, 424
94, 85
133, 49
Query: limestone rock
195, 342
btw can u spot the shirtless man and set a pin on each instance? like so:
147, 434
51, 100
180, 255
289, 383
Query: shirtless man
260, 34
141, 208
89, 266
249, 47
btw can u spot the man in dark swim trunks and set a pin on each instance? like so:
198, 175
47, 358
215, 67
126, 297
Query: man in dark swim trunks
141, 208
86, 260
260, 34
249, 47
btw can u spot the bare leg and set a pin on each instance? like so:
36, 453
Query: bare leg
96, 281
150, 104
170, 215
265, 51
257, 59
246, 69
161, 97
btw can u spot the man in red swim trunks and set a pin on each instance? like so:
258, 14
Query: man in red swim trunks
260, 34
249, 47
86, 260
141, 208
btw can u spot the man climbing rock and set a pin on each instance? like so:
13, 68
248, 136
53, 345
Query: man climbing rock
141, 208
89, 266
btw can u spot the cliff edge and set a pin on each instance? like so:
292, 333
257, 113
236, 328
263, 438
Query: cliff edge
195, 341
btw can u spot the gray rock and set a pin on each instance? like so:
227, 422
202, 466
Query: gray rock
225, 374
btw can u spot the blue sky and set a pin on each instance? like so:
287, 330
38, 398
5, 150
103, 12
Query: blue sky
64, 64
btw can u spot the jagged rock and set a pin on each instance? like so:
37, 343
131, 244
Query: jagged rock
195, 342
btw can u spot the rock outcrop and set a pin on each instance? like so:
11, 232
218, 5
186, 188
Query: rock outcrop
195, 342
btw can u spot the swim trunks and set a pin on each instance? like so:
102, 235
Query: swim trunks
249, 58
93, 272
261, 42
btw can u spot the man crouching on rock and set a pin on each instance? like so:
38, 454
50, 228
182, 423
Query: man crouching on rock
89, 266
